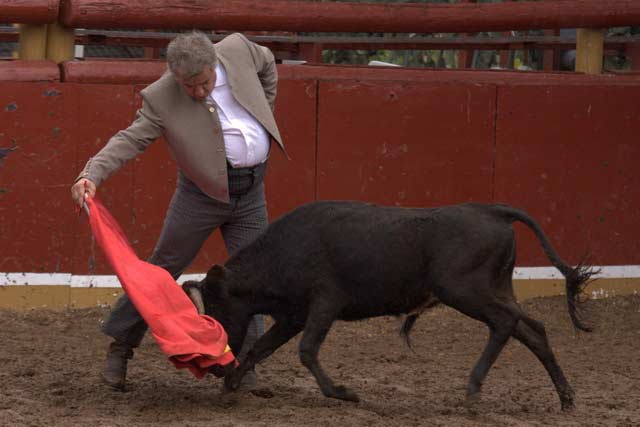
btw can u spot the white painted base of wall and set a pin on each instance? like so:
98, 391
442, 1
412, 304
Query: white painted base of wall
26, 291
111, 281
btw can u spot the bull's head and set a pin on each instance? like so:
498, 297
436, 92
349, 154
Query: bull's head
211, 297
208, 295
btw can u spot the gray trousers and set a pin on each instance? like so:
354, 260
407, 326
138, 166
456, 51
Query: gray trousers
191, 218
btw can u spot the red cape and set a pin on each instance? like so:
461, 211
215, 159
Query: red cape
190, 340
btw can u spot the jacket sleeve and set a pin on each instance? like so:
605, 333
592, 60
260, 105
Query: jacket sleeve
125, 145
266, 69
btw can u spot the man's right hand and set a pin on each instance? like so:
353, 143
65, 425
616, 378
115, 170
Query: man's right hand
83, 189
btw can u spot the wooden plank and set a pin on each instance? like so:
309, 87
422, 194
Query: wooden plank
29, 11
29, 71
33, 42
589, 50
60, 43
285, 15
144, 71
112, 71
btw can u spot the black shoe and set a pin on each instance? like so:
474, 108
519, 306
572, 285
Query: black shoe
115, 369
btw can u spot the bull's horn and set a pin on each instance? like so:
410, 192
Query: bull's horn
196, 297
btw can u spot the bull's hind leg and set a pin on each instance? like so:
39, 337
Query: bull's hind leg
532, 334
501, 322
321, 317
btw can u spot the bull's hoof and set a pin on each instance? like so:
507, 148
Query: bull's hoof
248, 382
220, 371
118, 384
228, 399
567, 404
343, 393
566, 398
231, 382
263, 392
472, 399
227, 393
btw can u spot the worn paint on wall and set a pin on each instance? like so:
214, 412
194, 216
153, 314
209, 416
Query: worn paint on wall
406, 143
570, 156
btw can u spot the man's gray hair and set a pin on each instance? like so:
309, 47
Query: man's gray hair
189, 53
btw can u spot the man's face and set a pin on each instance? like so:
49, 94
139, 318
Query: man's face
199, 86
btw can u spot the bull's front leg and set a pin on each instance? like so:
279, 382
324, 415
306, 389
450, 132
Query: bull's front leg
279, 334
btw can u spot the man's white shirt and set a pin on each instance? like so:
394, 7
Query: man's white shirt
245, 140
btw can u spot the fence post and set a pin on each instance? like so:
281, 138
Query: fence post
633, 52
465, 56
33, 41
311, 52
589, 50
550, 56
60, 43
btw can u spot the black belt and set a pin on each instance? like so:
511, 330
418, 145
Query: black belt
243, 180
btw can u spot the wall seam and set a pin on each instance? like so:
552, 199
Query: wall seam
495, 144
317, 141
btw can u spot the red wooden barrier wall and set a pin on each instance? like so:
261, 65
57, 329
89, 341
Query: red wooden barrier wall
564, 147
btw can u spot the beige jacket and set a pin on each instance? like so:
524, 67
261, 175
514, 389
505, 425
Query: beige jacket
192, 132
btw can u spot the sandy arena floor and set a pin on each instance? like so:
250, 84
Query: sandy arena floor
51, 360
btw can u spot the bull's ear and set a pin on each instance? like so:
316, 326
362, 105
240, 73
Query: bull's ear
216, 273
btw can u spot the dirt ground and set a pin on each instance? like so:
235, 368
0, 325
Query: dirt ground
50, 363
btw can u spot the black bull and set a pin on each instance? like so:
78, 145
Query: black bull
350, 261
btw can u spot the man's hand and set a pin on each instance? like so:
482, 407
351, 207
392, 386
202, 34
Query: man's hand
82, 190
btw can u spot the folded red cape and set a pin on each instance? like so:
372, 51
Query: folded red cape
190, 340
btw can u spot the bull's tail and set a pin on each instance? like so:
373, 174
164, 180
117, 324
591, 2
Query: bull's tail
406, 327
576, 278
